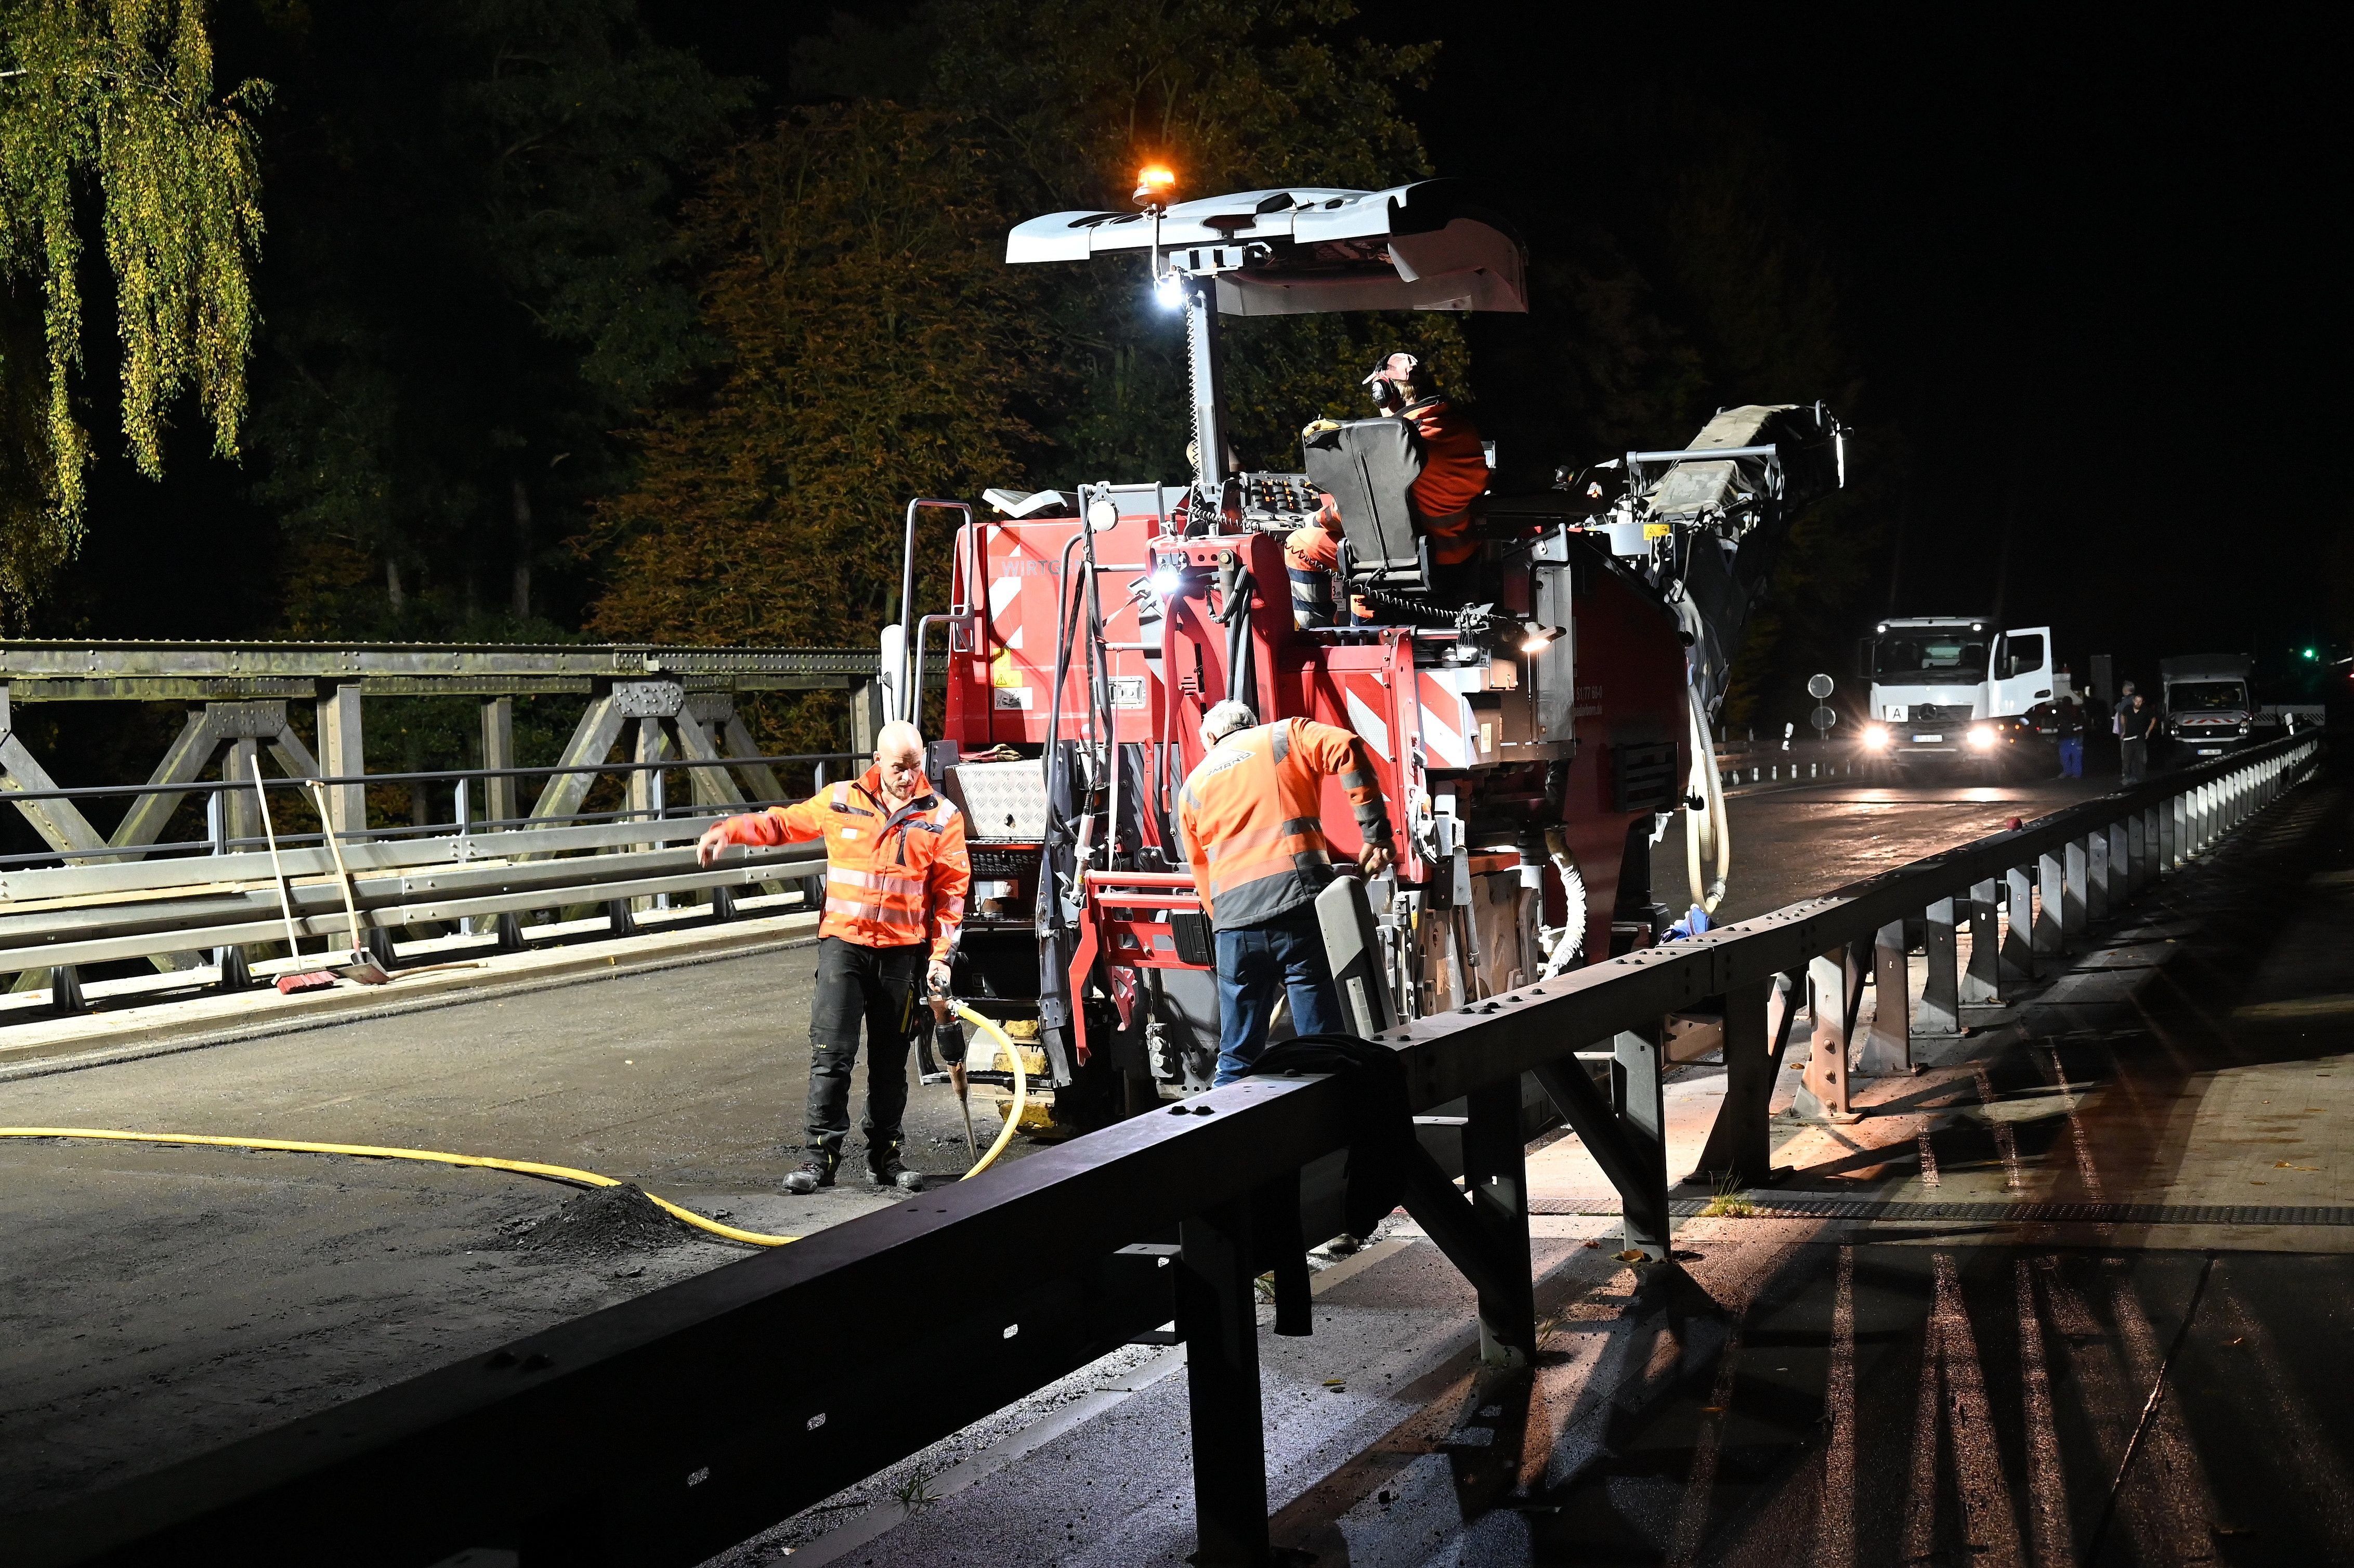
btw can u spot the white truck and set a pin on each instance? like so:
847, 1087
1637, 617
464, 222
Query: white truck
2207, 706
1953, 694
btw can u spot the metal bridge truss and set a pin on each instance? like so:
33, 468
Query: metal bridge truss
664, 1429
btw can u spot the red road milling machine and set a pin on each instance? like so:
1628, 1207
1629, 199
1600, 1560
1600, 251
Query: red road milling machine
1535, 714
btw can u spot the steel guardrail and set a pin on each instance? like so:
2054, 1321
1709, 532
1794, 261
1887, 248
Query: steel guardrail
713, 1407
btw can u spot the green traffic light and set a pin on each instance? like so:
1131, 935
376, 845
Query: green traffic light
2308, 654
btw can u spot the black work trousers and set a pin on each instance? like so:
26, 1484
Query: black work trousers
875, 986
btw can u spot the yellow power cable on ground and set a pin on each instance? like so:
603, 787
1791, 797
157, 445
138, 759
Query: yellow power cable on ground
525, 1167
430, 1157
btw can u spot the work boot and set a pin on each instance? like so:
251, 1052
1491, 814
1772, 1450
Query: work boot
816, 1172
891, 1173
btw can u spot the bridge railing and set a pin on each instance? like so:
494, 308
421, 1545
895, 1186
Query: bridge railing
662, 1430
214, 900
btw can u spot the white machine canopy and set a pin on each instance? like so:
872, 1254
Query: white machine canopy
1303, 251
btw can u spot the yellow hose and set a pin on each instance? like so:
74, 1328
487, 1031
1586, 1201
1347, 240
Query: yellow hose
370, 1151
1012, 1054
533, 1167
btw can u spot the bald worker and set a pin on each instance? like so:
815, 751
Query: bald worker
895, 878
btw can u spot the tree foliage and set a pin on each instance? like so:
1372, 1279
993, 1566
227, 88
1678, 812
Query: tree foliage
875, 347
110, 103
481, 278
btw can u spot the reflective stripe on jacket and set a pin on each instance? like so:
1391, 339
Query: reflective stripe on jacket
892, 878
1251, 816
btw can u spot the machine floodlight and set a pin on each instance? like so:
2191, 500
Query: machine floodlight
1167, 581
1536, 638
1169, 292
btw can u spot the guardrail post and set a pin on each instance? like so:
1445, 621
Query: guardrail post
2019, 929
1495, 1174
1217, 1317
2114, 877
2141, 852
1982, 981
65, 989
1822, 1087
1941, 991
723, 904
2076, 891
2096, 875
1888, 1044
510, 930
1638, 1092
2051, 879
1740, 1150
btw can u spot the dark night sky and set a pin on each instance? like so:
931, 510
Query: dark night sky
2084, 260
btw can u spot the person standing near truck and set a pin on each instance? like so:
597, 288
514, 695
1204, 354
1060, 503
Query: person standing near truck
896, 873
1250, 816
2137, 722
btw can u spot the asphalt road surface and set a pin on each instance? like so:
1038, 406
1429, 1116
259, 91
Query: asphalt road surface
158, 1300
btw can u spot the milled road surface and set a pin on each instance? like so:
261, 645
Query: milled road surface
155, 1301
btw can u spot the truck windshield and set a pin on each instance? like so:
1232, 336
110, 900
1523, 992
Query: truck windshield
2205, 696
1930, 658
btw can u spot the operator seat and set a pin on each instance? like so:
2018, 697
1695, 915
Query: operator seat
1368, 466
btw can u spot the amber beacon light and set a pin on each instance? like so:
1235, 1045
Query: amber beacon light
1153, 184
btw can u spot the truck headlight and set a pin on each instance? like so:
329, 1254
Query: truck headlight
1982, 737
1875, 737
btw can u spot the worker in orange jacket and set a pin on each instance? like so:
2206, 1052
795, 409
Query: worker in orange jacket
1454, 475
1250, 818
896, 878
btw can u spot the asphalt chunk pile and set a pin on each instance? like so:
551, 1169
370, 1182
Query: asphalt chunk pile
602, 1223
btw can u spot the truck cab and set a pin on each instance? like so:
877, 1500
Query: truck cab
1951, 693
2208, 707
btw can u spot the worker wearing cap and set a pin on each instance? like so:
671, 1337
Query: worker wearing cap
895, 878
1250, 817
1454, 475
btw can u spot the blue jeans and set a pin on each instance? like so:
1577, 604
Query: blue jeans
1285, 955
2071, 757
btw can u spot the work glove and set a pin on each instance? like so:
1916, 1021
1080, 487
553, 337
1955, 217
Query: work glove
1315, 427
936, 978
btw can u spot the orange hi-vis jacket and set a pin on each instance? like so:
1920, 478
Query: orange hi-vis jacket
892, 878
1454, 475
1251, 817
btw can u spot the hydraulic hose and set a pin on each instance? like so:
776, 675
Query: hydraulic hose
1707, 831
431, 1157
1012, 1054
